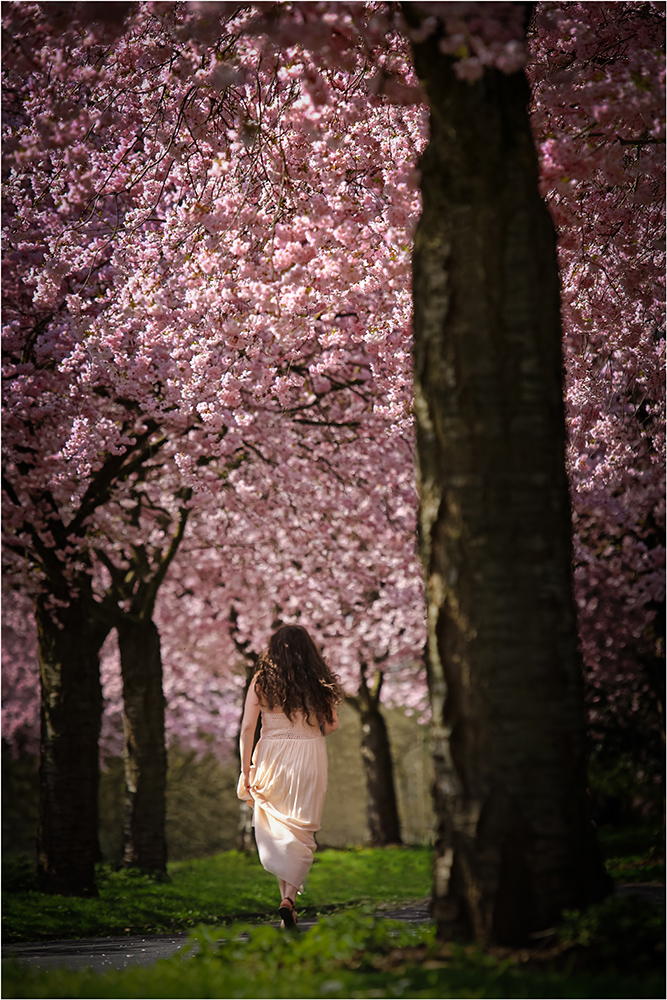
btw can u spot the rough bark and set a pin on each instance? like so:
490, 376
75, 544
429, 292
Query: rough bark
383, 822
71, 715
515, 844
145, 756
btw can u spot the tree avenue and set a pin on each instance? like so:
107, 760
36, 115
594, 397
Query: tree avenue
341, 555
208, 396
155, 379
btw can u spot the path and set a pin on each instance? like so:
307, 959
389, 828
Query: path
101, 954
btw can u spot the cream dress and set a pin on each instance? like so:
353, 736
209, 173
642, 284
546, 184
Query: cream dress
288, 778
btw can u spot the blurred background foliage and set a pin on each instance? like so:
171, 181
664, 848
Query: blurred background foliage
203, 811
202, 808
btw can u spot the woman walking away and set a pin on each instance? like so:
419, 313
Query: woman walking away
297, 694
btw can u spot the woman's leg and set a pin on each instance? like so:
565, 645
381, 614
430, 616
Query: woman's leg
290, 892
286, 908
287, 890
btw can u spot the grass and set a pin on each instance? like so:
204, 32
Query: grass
233, 886
226, 887
613, 950
633, 854
352, 954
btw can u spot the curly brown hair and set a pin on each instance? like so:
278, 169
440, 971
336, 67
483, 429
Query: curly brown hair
293, 675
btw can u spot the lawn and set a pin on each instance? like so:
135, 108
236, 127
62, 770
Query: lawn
217, 890
353, 954
233, 886
613, 950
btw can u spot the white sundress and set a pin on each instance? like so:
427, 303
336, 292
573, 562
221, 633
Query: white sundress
288, 778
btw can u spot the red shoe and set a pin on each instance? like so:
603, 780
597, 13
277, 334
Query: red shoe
288, 914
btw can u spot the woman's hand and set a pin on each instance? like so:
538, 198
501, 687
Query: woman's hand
248, 725
330, 727
243, 788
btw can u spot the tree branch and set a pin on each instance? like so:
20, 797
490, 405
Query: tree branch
158, 577
116, 466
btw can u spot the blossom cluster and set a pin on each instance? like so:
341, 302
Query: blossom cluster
210, 285
598, 78
207, 308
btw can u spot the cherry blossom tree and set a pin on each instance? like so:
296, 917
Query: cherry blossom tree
598, 77
20, 675
209, 233
513, 848
597, 72
103, 284
340, 558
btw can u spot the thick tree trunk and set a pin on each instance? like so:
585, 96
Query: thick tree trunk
515, 843
383, 822
71, 715
144, 837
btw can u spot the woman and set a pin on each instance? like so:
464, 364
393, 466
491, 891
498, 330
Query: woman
297, 694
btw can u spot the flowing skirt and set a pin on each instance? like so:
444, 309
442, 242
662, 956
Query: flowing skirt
288, 779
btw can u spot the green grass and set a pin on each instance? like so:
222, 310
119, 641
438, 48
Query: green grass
233, 886
229, 886
349, 954
613, 950
633, 854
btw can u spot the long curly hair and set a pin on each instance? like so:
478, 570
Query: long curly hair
292, 675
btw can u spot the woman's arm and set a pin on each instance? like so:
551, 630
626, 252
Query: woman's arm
331, 727
251, 712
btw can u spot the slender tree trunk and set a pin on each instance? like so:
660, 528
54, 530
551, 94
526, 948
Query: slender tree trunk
245, 834
384, 826
71, 715
383, 822
515, 844
144, 837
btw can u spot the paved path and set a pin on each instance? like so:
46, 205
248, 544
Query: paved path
98, 954
101, 954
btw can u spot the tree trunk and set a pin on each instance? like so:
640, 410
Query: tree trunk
245, 833
383, 822
144, 837
71, 716
515, 844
